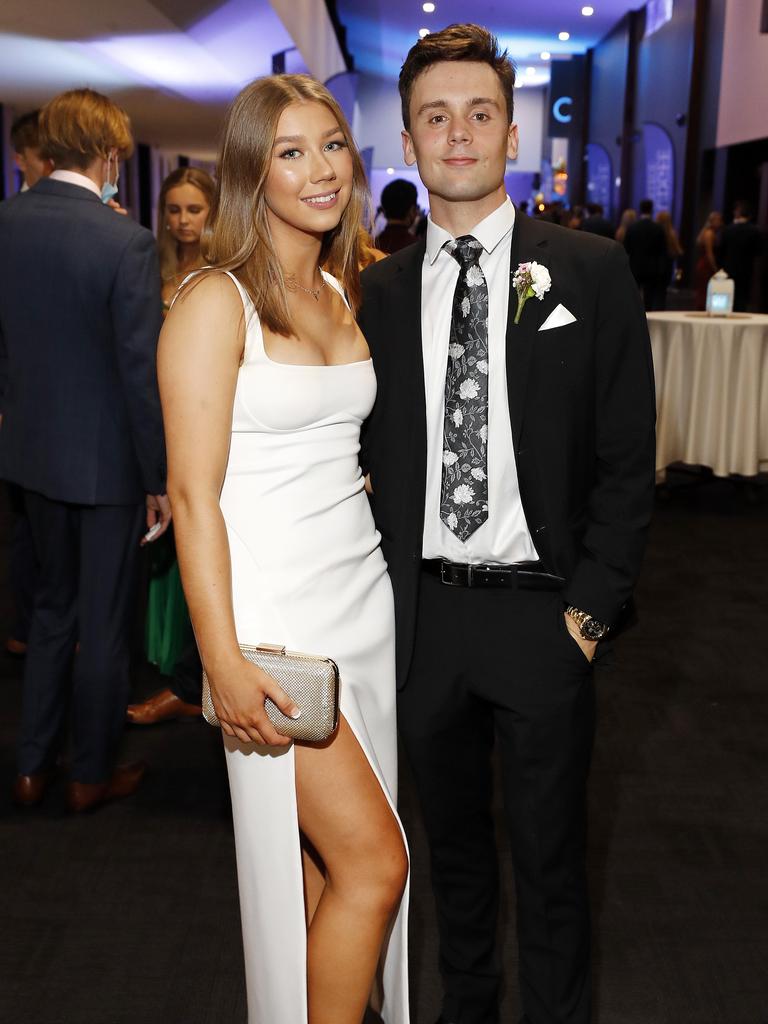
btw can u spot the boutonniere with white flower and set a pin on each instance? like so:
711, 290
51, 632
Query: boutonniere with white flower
529, 280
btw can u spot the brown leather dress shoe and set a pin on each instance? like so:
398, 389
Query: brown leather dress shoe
163, 706
15, 647
29, 790
87, 796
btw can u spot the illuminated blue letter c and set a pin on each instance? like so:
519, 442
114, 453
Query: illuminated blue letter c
557, 109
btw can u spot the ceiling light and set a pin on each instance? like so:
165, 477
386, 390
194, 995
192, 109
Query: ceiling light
390, 170
587, 11
428, 8
564, 37
530, 71
423, 32
546, 55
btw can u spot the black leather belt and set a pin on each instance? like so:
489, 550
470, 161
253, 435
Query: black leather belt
522, 576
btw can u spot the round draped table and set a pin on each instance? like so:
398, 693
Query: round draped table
711, 391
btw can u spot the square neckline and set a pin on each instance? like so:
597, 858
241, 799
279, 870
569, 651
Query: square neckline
333, 283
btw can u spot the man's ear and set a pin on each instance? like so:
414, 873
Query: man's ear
513, 142
20, 162
409, 153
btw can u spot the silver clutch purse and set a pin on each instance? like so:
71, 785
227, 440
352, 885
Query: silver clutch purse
310, 681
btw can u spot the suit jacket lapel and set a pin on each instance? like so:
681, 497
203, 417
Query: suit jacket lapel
527, 246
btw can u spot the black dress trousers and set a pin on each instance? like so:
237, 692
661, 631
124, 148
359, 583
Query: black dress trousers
88, 557
499, 667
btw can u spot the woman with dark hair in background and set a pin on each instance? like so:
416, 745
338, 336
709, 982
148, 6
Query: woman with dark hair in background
265, 381
707, 262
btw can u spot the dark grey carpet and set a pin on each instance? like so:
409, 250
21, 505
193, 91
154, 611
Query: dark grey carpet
129, 916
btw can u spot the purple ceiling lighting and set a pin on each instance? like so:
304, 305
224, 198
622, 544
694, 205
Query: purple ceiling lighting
380, 33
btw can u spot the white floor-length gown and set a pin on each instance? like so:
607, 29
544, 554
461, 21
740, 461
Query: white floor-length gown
307, 572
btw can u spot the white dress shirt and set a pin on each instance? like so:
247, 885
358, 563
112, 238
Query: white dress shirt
504, 537
74, 178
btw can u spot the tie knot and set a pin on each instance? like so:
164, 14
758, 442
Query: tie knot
466, 250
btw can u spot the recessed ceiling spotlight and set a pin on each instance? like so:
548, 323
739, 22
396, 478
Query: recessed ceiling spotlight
587, 11
428, 8
546, 55
390, 170
564, 37
530, 71
423, 32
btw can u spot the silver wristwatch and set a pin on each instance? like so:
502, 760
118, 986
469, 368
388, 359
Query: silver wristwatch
589, 627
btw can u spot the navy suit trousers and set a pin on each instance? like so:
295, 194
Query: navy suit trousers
88, 557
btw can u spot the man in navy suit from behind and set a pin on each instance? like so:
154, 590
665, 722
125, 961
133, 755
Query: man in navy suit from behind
82, 435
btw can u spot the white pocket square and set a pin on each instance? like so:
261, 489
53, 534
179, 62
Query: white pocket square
559, 317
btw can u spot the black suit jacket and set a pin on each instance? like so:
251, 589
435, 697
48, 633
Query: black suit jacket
646, 246
740, 246
80, 314
581, 404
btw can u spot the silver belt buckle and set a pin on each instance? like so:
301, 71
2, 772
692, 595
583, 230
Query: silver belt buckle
445, 577
447, 568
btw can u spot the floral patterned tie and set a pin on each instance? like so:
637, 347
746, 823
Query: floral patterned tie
464, 492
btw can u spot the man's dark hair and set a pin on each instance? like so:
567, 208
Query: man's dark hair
646, 207
741, 208
457, 42
25, 132
595, 209
398, 198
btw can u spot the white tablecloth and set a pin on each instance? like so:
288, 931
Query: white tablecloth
711, 391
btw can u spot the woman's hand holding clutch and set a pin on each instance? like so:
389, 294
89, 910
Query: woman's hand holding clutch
239, 693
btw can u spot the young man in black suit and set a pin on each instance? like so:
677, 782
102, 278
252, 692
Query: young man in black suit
511, 454
82, 435
646, 246
740, 245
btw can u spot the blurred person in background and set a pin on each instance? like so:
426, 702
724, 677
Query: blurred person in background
646, 246
627, 218
25, 139
183, 207
707, 256
575, 218
399, 201
740, 245
82, 435
596, 222
674, 251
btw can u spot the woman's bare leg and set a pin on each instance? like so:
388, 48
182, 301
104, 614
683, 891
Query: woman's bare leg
346, 817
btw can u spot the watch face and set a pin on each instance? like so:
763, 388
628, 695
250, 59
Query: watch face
593, 630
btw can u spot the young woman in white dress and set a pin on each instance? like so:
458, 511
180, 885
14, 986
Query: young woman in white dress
265, 381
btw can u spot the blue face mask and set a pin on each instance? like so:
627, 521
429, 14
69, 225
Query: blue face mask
108, 190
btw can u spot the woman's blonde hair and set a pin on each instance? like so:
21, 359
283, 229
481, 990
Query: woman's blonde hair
237, 236
167, 247
674, 249
78, 126
628, 217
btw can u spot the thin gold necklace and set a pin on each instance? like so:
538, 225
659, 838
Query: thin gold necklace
314, 292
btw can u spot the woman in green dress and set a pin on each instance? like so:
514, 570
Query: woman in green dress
183, 206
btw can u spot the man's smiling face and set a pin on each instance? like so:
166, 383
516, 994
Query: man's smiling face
460, 135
